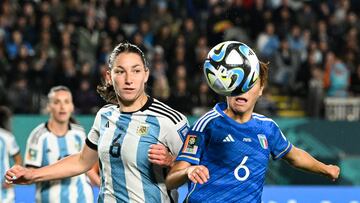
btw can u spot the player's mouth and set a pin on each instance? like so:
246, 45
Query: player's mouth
241, 100
128, 89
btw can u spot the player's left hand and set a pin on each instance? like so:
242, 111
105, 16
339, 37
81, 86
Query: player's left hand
333, 171
159, 154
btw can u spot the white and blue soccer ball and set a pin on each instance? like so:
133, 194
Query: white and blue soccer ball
231, 68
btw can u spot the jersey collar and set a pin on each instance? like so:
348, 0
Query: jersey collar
143, 108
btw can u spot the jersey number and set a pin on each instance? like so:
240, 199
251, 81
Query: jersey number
115, 147
244, 167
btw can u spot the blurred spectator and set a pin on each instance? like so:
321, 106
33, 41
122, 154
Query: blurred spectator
203, 100
20, 97
179, 98
13, 46
87, 100
286, 64
316, 93
267, 42
88, 38
337, 76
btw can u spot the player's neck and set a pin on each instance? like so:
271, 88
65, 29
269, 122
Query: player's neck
58, 128
238, 117
134, 105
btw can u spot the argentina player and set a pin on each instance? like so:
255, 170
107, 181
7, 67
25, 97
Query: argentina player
135, 137
8, 149
56, 139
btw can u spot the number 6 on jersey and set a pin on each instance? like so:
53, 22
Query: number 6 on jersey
242, 166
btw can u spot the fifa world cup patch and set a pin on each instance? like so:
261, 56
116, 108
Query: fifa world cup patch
32, 154
190, 146
263, 141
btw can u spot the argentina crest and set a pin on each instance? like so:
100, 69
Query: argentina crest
142, 129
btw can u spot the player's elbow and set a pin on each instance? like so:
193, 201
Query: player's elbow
169, 182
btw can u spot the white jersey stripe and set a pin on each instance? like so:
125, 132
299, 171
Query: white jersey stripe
197, 125
131, 176
207, 121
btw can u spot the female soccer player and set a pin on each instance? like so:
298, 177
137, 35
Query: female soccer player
56, 139
226, 152
8, 149
135, 137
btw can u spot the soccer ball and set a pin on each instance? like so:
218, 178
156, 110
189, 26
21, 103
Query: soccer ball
231, 68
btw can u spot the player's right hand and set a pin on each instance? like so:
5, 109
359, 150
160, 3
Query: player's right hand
198, 174
18, 175
333, 172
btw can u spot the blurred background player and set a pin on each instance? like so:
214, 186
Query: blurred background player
8, 148
56, 139
226, 153
136, 137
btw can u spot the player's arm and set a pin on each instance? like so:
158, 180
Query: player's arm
70, 166
183, 171
303, 160
17, 159
93, 174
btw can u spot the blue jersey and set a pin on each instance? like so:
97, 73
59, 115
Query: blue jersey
45, 148
236, 155
8, 148
122, 140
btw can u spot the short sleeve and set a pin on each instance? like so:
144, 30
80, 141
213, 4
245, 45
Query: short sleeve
34, 151
278, 143
14, 147
192, 148
93, 135
176, 135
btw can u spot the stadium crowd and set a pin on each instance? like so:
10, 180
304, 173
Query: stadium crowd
312, 47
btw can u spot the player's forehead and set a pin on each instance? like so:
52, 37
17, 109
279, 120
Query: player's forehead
60, 95
128, 60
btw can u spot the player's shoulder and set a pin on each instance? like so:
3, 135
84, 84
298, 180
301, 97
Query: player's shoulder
77, 127
5, 134
164, 111
39, 131
206, 119
263, 119
107, 107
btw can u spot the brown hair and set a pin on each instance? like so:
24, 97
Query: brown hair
264, 72
5, 114
106, 90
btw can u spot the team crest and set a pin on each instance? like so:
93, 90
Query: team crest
32, 154
142, 129
263, 141
190, 145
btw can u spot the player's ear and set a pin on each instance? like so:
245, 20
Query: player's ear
147, 73
261, 90
108, 80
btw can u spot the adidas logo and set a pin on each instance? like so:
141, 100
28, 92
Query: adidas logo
228, 138
107, 124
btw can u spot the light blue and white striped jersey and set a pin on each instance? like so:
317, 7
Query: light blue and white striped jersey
123, 139
8, 148
45, 148
236, 154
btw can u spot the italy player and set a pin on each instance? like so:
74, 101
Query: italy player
8, 149
54, 140
226, 152
136, 138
